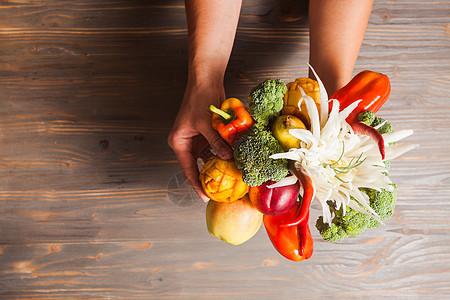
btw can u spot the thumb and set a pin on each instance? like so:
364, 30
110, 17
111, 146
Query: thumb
218, 144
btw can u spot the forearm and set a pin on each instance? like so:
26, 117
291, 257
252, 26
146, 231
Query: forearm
337, 30
212, 28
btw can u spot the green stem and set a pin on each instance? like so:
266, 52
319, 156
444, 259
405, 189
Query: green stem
219, 112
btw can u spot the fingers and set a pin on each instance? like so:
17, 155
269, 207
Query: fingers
201, 148
184, 147
188, 149
206, 154
188, 164
218, 144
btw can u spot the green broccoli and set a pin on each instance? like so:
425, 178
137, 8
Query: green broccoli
342, 226
382, 202
251, 153
266, 100
386, 128
330, 233
354, 222
367, 117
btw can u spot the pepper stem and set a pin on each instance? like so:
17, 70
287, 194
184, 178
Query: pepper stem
220, 112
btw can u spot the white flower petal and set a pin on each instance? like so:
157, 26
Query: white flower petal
331, 124
399, 149
348, 110
396, 135
313, 114
326, 213
288, 180
333, 154
323, 99
287, 155
304, 135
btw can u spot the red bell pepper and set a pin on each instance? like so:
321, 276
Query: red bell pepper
232, 119
370, 87
373, 89
293, 242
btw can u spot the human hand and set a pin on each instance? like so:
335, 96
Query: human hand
192, 135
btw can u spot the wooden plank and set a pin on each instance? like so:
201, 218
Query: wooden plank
92, 203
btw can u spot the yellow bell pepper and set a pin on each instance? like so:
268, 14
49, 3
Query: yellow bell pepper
293, 95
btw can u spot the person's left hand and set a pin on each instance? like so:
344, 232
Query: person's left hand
192, 135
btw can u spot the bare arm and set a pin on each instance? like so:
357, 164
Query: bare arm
337, 30
212, 28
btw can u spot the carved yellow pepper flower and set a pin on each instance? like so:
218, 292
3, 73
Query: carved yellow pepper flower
222, 181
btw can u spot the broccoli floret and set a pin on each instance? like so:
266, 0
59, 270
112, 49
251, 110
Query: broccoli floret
367, 117
354, 222
266, 100
382, 202
251, 153
386, 128
342, 226
330, 233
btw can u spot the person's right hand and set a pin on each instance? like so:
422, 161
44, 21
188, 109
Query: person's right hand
192, 135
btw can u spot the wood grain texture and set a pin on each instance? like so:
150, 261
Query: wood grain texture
92, 201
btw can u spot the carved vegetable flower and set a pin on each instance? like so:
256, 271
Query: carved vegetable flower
339, 161
222, 181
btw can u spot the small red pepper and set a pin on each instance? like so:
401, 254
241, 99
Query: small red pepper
308, 194
293, 242
364, 129
373, 89
232, 119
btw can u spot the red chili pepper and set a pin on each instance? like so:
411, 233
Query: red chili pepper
308, 194
232, 119
373, 89
293, 242
306, 240
362, 128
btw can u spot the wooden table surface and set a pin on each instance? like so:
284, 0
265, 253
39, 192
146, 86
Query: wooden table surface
92, 200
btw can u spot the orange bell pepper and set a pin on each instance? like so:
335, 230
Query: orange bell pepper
232, 119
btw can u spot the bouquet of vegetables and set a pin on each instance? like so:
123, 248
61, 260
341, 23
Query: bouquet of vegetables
293, 144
